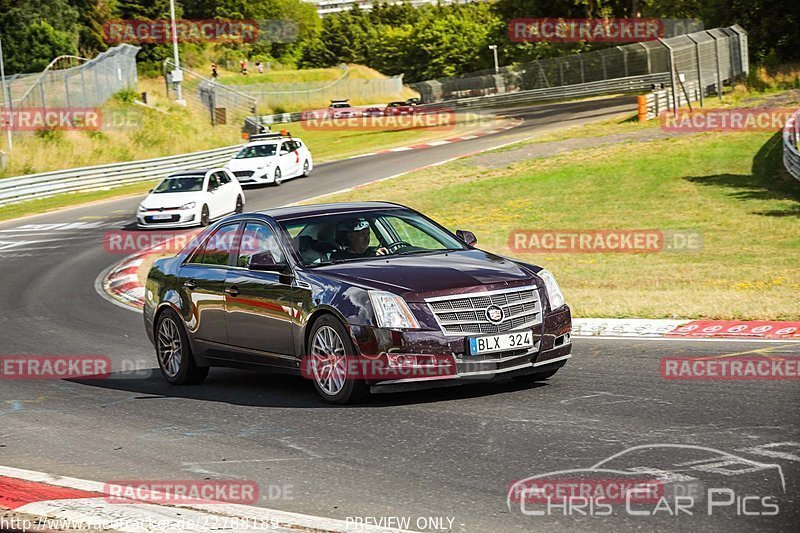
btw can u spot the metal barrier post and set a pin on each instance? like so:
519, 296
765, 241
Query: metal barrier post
716, 58
699, 69
671, 76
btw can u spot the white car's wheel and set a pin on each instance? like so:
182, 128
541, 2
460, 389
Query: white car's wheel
278, 176
306, 167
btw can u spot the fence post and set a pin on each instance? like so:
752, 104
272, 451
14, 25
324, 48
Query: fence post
83, 88
66, 90
624, 59
716, 58
671, 75
41, 92
580, 59
647, 55
699, 69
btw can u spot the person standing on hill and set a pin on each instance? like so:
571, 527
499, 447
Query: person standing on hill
214, 73
243, 67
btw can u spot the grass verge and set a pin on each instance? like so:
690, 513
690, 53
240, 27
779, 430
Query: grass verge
731, 188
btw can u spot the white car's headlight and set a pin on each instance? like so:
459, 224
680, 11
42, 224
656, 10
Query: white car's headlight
142, 208
190, 205
391, 311
553, 290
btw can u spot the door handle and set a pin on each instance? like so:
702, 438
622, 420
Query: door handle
233, 291
190, 284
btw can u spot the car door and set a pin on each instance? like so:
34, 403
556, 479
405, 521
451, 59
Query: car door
259, 306
202, 285
228, 192
216, 197
288, 158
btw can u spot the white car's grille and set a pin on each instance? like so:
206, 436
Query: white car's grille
468, 313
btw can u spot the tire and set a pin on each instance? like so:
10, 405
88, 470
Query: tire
330, 332
278, 176
239, 205
306, 168
173, 352
541, 376
205, 218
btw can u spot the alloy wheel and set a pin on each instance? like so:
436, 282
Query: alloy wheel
170, 347
330, 360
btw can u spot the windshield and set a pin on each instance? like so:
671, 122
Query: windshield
366, 235
340, 105
259, 150
180, 184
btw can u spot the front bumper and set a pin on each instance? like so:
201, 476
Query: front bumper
178, 219
258, 177
552, 347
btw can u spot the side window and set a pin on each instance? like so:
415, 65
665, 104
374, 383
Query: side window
285, 148
223, 177
213, 182
217, 248
258, 239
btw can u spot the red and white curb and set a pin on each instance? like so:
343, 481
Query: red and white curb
61, 503
431, 144
122, 281
687, 329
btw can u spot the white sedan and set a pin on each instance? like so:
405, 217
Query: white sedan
191, 198
271, 158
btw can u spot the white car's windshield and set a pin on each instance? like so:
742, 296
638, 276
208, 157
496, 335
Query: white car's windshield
340, 105
180, 184
259, 150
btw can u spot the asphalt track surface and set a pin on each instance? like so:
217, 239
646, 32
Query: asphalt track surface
442, 453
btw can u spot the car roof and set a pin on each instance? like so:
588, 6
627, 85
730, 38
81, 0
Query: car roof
192, 172
300, 211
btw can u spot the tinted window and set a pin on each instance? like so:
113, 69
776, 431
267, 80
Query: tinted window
213, 182
180, 184
223, 177
256, 239
217, 249
260, 150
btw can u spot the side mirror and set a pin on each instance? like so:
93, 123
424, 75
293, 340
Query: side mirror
264, 262
468, 237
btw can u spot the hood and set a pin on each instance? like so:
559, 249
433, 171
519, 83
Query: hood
416, 277
251, 163
172, 199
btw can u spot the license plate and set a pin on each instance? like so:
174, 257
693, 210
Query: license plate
162, 217
500, 343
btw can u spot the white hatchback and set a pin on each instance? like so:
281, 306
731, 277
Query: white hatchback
191, 198
271, 158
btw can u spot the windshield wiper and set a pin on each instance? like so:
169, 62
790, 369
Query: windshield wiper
426, 251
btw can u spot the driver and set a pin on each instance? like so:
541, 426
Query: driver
356, 239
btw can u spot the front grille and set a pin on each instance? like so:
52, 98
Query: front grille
243, 173
467, 313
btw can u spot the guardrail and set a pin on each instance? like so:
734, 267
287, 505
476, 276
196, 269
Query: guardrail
791, 142
35, 186
595, 88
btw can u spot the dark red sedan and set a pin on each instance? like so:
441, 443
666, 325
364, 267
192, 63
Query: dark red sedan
355, 297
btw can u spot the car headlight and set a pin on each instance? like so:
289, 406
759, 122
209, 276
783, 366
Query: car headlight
142, 208
190, 205
391, 311
553, 290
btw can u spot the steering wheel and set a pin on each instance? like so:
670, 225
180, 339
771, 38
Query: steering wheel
393, 247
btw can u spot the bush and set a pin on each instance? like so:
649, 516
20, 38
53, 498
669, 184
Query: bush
126, 96
49, 134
